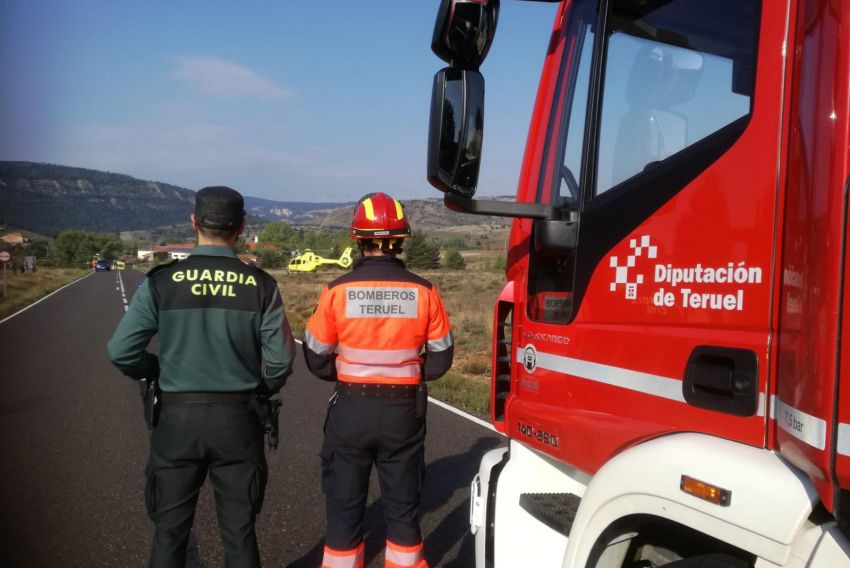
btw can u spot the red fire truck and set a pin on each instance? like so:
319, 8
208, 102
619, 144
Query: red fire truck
669, 364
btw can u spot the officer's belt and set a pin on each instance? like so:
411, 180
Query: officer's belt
206, 397
376, 390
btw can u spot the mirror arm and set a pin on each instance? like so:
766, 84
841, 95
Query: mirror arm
501, 208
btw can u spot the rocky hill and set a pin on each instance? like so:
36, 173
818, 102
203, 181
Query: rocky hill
48, 198
291, 211
424, 214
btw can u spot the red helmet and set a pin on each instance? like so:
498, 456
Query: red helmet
379, 216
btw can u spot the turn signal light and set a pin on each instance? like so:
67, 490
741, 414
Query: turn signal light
706, 491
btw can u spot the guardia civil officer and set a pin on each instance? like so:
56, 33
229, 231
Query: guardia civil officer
380, 331
223, 340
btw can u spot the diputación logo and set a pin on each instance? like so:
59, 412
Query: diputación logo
696, 286
626, 274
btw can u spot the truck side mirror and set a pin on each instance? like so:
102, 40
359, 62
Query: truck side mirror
456, 131
464, 31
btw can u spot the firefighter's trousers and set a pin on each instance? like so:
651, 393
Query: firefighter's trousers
191, 441
361, 431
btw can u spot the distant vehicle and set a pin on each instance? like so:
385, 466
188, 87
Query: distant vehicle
310, 261
101, 265
120, 265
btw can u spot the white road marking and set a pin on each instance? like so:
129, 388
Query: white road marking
123, 295
463, 414
454, 410
44, 298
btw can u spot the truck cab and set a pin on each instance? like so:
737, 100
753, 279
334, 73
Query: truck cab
667, 355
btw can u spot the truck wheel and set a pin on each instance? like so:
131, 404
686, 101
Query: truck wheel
713, 560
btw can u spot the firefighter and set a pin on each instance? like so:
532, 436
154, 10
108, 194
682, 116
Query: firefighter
224, 347
381, 332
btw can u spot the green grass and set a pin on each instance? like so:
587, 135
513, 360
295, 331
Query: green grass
24, 289
464, 392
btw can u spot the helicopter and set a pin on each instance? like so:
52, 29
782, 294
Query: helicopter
309, 261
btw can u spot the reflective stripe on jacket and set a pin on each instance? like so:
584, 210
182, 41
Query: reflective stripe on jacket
379, 323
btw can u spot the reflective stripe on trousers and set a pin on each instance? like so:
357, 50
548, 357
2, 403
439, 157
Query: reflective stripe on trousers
398, 556
343, 558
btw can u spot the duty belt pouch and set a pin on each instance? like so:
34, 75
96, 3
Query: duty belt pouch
421, 400
268, 411
274, 429
151, 401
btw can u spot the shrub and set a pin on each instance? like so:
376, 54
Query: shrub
420, 252
454, 260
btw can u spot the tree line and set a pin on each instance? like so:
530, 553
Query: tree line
77, 248
278, 243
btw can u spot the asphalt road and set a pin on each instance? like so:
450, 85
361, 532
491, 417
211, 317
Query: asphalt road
74, 448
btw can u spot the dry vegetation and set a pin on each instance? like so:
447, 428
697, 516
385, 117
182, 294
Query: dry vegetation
24, 289
469, 296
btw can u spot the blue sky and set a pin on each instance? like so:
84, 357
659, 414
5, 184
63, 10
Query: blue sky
288, 100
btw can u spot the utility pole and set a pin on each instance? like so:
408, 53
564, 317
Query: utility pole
5, 257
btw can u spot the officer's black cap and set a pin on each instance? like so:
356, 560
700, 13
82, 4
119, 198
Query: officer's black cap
219, 207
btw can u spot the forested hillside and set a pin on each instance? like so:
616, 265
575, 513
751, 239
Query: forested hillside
48, 199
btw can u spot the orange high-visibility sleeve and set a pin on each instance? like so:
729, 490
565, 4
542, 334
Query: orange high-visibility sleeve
321, 331
439, 329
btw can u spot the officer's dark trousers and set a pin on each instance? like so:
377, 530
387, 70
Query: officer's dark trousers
360, 432
191, 441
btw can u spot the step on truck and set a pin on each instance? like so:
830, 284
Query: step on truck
669, 358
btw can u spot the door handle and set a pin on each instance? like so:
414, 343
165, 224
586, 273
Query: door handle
723, 379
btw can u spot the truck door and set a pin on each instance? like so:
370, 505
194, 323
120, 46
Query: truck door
660, 146
812, 402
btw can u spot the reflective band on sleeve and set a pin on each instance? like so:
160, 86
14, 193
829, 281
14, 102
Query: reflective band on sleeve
317, 346
343, 558
403, 556
440, 344
378, 356
365, 371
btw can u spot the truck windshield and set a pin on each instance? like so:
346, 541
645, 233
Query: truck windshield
664, 77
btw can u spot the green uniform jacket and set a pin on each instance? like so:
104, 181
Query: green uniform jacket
221, 325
